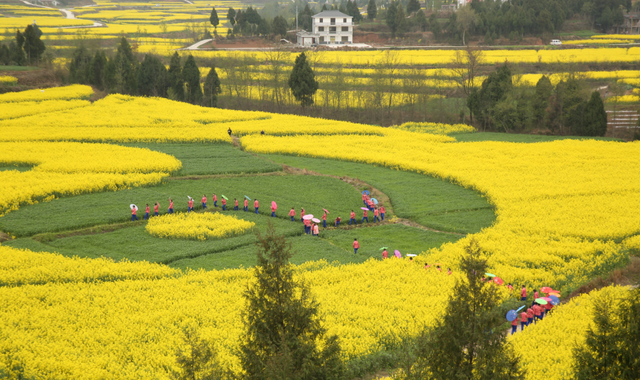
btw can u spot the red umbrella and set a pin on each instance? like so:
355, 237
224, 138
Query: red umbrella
546, 289
325, 210
498, 280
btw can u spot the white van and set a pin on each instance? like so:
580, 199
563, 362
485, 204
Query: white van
556, 42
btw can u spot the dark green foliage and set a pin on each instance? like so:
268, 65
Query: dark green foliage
353, 11
611, 350
213, 18
468, 342
281, 322
97, 70
302, 81
211, 88
5, 55
121, 70
305, 18
372, 10
400, 25
198, 360
413, 6
191, 78
152, 77
434, 26
390, 19
544, 90
80, 65
421, 21
174, 77
494, 89
231, 16
33, 45
572, 105
595, 117
605, 20
279, 26
17, 53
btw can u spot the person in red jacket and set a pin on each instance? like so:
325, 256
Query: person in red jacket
337, 222
385, 254
523, 293
235, 204
523, 320
224, 204
364, 216
370, 205
382, 213
292, 214
529, 316
190, 205
364, 198
307, 226
256, 204
324, 220
273, 210
214, 198
356, 245
155, 208
134, 211
353, 218
536, 312
246, 204
146, 213
170, 206
302, 214
514, 326
375, 215
204, 202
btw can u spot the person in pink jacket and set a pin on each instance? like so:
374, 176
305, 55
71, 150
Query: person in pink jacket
292, 214
316, 230
204, 202
273, 211
375, 215
382, 210
190, 205
214, 198
356, 245
256, 204
146, 212
246, 204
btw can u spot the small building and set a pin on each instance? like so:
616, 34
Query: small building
328, 28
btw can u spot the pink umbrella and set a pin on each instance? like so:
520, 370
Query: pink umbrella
307, 217
364, 208
325, 210
315, 220
274, 204
398, 254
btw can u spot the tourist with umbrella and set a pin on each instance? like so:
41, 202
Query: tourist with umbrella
364, 215
246, 203
134, 211
324, 218
190, 204
224, 203
385, 254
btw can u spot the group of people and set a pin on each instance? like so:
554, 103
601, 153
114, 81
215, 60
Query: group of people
536, 312
204, 201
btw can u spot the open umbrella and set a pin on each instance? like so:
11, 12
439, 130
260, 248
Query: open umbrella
315, 220
189, 197
498, 280
548, 299
521, 307
541, 301
383, 248
554, 300
274, 204
247, 198
225, 198
555, 294
397, 253
411, 255
364, 208
366, 192
375, 201
546, 289
307, 217
489, 275
325, 210
132, 206
512, 315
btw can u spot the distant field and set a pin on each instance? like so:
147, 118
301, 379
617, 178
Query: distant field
520, 138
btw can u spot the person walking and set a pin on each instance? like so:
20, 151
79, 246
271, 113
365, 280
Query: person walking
155, 208
353, 218
302, 214
256, 204
364, 198
224, 204
307, 226
523, 320
337, 222
273, 210
385, 254
214, 198
316, 230
146, 213
235, 204
375, 215
170, 206
324, 220
246, 205
356, 245
292, 214
514, 325
529, 316
190, 205
134, 211
523, 293
364, 216
204, 201
382, 213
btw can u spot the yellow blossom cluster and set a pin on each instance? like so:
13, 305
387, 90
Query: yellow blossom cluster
435, 128
200, 226
618, 36
632, 243
545, 348
63, 169
623, 99
22, 267
597, 41
76, 91
8, 80
22, 22
21, 109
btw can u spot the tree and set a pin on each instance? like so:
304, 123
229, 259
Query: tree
421, 21
434, 26
390, 19
213, 18
413, 6
372, 10
5, 55
606, 19
302, 81
97, 70
467, 342
544, 90
494, 89
79, 65
197, 359
354, 11
17, 54
191, 77
152, 77
279, 27
212, 88
284, 337
231, 16
174, 78
595, 117
33, 45
125, 64
466, 19
465, 67
401, 21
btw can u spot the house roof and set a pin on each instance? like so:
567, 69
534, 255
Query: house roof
331, 14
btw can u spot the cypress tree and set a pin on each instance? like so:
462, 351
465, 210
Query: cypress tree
212, 88
231, 16
302, 81
413, 6
372, 10
33, 45
78, 67
174, 77
284, 337
391, 16
152, 77
98, 70
17, 54
191, 77
595, 117
544, 90
214, 18
5, 56
401, 22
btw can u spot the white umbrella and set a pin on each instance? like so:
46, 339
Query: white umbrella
132, 206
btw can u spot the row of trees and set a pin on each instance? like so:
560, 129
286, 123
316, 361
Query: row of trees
26, 49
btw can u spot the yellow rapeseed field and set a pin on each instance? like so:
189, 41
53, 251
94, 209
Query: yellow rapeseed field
76, 91
198, 226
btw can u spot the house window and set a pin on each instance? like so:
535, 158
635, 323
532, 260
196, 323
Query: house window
321, 39
320, 20
345, 39
321, 29
344, 20
333, 21
332, 29
345, 28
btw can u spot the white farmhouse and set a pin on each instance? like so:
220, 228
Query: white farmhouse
328, 27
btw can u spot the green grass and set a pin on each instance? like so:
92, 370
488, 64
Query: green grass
520, 138
209, 159
428, 201
20, 168
311, 192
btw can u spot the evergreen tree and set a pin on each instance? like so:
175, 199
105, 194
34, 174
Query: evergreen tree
279, 26
434, 26
306, 18
401, 20
191, 77
17, 54
372, 10
284, 337
302, 81
544, 90
421, 21
493, 90
5, 55
33, 45
595, 117
174, 78
79, 66
390, 19
468, 342
413, 6
152, 77
125, 69
231, 16
212, 88
197, 359
213, 18
353, 11
97, 70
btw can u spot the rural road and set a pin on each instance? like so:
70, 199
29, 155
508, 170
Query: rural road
198, 44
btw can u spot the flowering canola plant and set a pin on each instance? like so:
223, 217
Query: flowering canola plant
76, 91
8, 80
435, 128
198, 226
21, 109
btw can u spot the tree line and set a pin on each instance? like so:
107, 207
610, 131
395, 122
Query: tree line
26, 49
